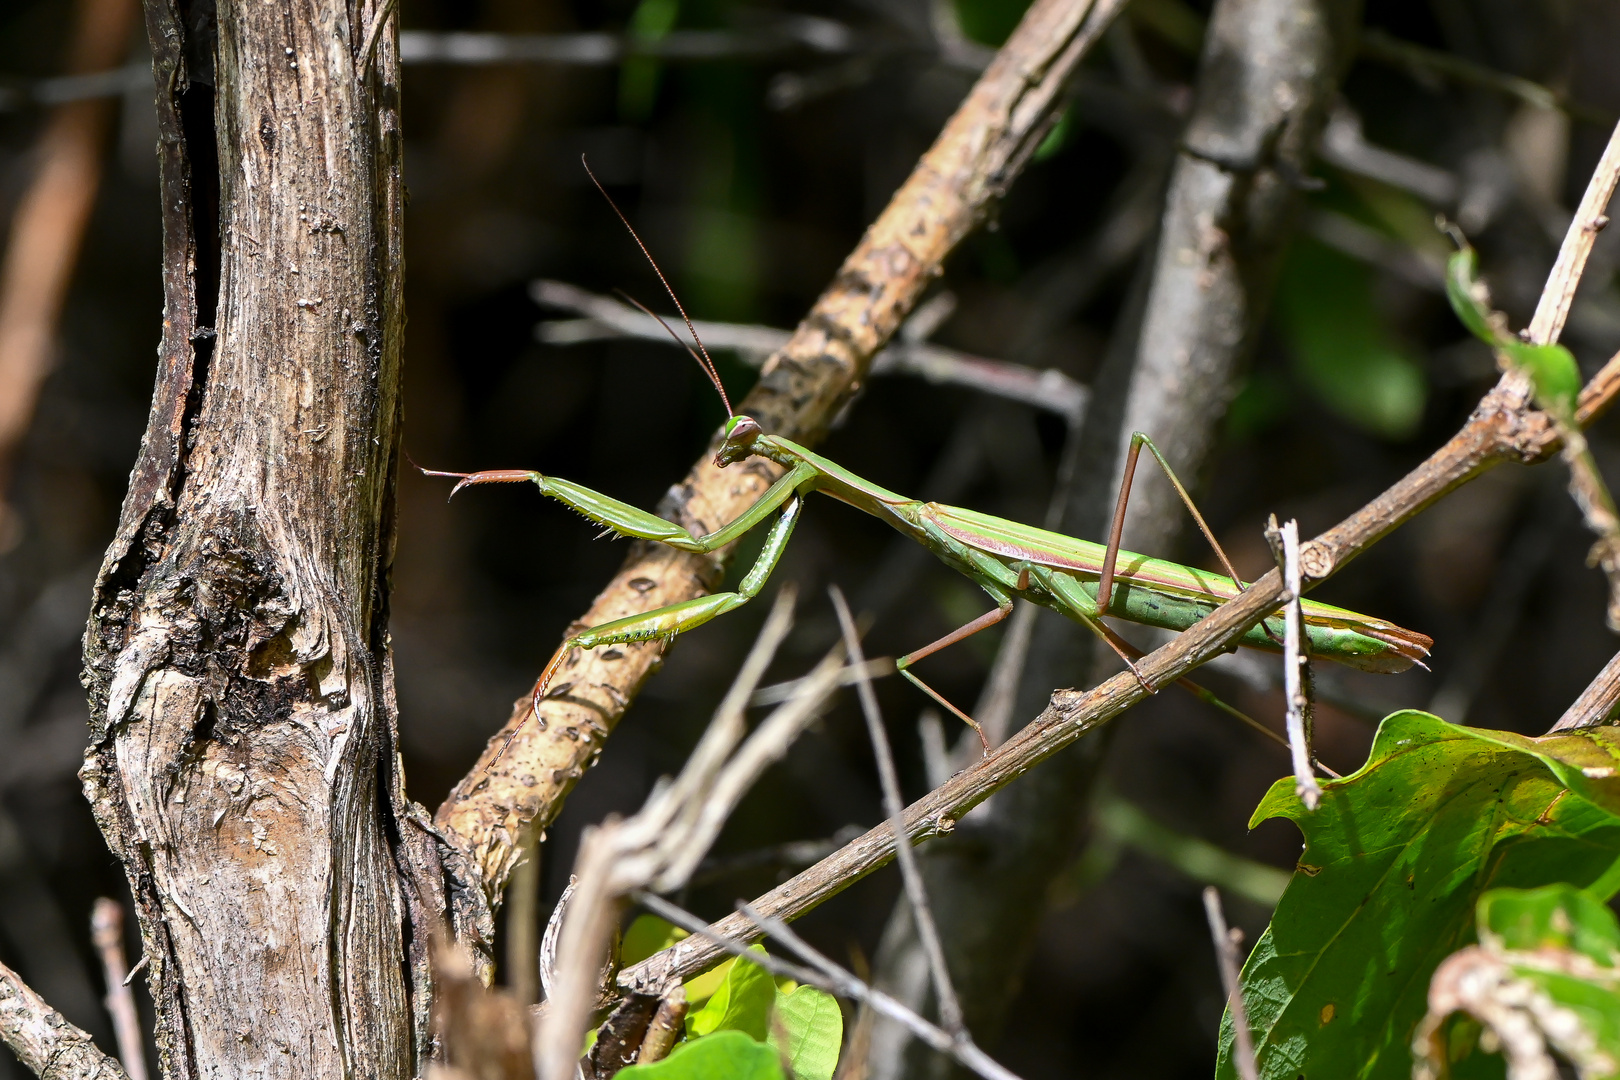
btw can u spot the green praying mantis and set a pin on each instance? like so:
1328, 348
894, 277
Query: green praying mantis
1077, 578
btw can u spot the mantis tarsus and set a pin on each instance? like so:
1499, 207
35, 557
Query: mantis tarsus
1006, 559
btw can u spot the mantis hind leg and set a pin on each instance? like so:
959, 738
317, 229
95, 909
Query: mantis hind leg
1003, 608
1066, 592
1105, 582
672, 619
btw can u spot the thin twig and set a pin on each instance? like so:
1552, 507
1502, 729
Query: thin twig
107, 934
1590, 218
1377, 45
950, 1008
606, 318
1226, 944
47, 230
664, 842
1284, 541
44, 1041
796, 33
825, 975
779, 692
1597, 703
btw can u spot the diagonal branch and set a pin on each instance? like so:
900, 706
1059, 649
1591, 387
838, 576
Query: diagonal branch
50, 1046
976, 157
1505, 426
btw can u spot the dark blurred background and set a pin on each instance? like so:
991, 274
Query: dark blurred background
750, 176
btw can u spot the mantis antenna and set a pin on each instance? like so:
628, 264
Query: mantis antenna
704, 361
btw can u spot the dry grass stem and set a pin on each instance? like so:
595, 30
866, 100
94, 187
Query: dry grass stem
1284, 541
1226, 947
950, 1008
1597, 703
825, 975
660, 846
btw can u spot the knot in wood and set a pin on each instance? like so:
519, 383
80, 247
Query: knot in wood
1315, 560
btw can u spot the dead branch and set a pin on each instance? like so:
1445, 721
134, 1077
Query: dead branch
107, 935
49, 225
607, 318
981, 150
47, 1044
1596, 704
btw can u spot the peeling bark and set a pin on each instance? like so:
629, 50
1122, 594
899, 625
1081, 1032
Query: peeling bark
243, 763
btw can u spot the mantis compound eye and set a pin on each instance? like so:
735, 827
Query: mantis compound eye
741, 431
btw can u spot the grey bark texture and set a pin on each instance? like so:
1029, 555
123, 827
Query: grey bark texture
1267, 77
243, 763
45, 1042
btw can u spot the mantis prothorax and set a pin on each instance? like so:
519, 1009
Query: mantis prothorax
1004, 558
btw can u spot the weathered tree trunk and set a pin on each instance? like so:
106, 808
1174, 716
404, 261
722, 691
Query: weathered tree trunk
244, 762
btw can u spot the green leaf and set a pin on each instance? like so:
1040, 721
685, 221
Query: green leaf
700, 988
810, 1032
647, 935
1340, 346
742, 1002
725, 1055
1552, 370
1544, 973
1395, 858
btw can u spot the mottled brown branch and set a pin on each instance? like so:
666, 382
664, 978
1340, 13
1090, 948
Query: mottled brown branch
979, 153
46, 1043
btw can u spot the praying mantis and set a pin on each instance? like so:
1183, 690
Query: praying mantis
1008, 560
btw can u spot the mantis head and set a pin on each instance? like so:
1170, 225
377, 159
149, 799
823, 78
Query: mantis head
741, 431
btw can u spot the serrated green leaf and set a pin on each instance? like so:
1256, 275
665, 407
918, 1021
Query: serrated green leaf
725, 1055
1542, 978
742, 1002
1395, 857
809, 1033
647, 935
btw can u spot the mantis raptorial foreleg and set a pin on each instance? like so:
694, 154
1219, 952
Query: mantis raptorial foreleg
627, 520
666, 622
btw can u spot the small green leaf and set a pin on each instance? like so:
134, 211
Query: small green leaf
1543, 978
810, 1032
647, 935
1552, 370
701, 988
742, 1002
1395, 858
725, 1055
